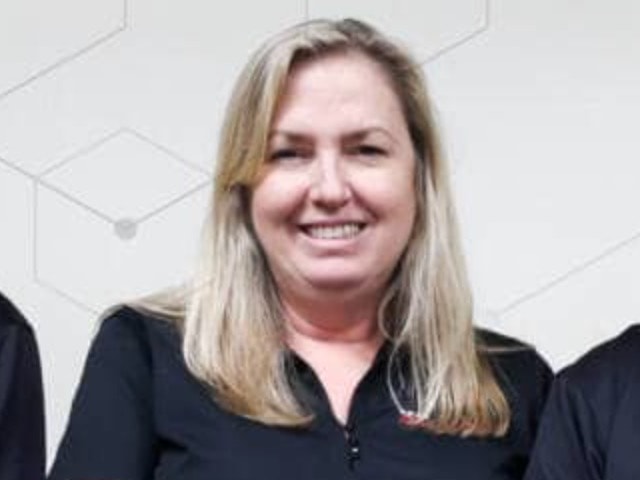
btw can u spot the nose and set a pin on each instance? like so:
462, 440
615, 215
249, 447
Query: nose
330, 187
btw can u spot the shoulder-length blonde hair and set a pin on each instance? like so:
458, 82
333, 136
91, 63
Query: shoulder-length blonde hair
230, 315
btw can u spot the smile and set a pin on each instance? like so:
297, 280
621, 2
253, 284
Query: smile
334, 232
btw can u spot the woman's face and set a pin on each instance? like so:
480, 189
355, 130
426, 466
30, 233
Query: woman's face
335, 205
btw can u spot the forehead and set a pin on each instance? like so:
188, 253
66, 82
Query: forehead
340, 90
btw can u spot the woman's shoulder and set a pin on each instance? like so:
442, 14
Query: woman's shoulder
132, 317
130, 347
494, 339
126, 327
521, 369
505, 348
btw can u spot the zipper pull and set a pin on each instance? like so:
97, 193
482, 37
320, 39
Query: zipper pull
353, 445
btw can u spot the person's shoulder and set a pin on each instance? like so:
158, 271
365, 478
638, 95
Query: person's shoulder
128, 316
615, 359
12, 321
129, 342
9, 313
613, 352
491, 339
126, 324
501, 346
508, 350
518, 364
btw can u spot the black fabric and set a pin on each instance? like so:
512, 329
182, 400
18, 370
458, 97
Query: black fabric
22, 448
591, 426
138, 414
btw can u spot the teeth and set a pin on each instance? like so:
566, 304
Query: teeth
346, 230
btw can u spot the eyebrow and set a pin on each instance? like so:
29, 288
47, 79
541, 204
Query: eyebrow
353, 135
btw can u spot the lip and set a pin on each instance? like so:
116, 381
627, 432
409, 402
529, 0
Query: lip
329, 241
330, 223
308, 226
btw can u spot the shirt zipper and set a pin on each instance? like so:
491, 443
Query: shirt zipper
353, 445
353, 451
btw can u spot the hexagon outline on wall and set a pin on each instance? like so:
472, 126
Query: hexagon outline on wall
123, 227
87, 149
70, 57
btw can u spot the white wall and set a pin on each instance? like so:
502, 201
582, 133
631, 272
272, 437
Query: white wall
109, 112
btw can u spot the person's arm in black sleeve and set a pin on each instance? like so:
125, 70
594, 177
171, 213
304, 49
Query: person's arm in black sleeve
22, 443
110, 433
565, 448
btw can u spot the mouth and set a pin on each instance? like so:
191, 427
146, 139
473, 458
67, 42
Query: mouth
339, 231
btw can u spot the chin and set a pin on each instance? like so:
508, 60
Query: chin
340, 284
337, 280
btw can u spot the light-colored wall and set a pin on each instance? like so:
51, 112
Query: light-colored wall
109, 112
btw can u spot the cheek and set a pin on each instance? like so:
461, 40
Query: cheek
391, 194
273, 201
396, 205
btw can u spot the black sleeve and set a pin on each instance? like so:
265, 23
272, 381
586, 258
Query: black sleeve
21, 406
110, 433
566, 447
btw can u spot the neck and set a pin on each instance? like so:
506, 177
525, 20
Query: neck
338, 341
331, 322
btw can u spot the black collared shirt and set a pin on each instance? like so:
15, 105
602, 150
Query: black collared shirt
138, 414
22, 448
591, 426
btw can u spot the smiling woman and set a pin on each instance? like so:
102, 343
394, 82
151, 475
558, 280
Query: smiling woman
328, 329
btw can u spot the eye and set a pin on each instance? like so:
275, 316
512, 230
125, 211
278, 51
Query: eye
284, 153
369, 150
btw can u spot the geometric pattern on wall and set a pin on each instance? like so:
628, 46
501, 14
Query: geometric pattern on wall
40, 36
91, 210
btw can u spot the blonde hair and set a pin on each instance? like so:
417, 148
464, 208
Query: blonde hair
230, 314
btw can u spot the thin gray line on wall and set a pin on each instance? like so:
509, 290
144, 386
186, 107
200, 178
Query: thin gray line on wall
35, 258
17, 169
82, 151
576, 270
72, 56
168, 151
76, 201
35, 273
125, 14
66, 296
104, 140
484, 26
173, 202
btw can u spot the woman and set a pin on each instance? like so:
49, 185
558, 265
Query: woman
328, 330
591, 425
21, 400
